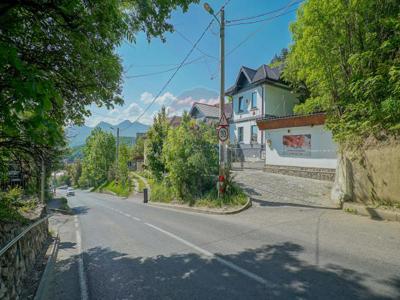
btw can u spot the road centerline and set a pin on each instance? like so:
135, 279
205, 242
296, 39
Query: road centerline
213, 256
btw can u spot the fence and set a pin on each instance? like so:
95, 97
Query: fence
18, 256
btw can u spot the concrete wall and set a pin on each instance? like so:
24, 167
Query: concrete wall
279, 101
321, 155
375, 175
248, 111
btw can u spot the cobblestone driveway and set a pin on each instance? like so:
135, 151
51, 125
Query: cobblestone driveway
268, 189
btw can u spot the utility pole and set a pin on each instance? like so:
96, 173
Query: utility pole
222, 91
222, 152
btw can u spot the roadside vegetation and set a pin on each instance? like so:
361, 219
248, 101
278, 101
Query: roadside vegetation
115, 188
141, 184
182, 163
13, 205
51, 73
345, 60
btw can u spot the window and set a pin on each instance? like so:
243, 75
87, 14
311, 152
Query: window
254, 133
241, 105
254, 100
240, 134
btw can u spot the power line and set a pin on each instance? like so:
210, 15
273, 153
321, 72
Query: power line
197, 48
263, 20
165, 71
173, 75
180, 66
291, 3
253, 33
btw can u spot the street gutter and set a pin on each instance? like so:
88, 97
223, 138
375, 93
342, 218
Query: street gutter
205, 210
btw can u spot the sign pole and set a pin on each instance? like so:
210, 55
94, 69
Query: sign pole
222, 99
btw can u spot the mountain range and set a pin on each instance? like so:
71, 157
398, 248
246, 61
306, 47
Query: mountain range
77, 134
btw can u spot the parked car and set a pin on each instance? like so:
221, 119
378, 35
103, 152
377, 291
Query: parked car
70, 192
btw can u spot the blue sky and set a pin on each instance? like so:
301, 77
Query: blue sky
260, 42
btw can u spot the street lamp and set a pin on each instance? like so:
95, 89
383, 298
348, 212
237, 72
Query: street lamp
221, 23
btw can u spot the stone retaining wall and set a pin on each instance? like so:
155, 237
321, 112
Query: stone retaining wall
369, 176
314, 173
20, 258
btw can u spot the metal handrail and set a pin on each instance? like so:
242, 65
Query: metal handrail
21, 235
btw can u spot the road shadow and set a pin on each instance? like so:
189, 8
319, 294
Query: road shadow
115, 275
256, 198
80, 210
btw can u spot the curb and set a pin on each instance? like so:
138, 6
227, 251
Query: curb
203, 211
63, 211
373, 213
40, 292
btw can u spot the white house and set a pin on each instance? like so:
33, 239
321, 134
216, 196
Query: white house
263, 127
256, 93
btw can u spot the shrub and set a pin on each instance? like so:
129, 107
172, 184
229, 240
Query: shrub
191, 159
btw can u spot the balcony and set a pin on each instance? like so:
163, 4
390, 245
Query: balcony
275, 122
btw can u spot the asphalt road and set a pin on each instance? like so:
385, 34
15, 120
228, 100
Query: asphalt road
123, 249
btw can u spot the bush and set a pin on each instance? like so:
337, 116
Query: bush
160, 192
122, 190
191, 159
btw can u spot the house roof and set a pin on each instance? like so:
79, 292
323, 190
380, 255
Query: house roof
175, 121
263, 73
211, 111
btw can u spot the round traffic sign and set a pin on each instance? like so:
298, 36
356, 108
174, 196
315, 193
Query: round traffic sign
223, 133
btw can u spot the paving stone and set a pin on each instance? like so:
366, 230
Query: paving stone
269, 189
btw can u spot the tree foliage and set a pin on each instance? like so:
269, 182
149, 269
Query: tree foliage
191, 158
99, 158
156, 137
122, 174
347, 52
58, 57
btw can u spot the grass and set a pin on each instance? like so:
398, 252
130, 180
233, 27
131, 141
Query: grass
141, 184
162, 193
118, 189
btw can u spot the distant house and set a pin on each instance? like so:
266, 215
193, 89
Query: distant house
209, 113
175, 121
264, 128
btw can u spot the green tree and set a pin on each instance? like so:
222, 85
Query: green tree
347, 53
123, 170
191, 158
99, 158
75, 171
156, 137
138, 148
57, 58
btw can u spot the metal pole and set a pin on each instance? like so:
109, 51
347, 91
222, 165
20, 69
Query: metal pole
116, 155
117, 146
42, 181
222, 89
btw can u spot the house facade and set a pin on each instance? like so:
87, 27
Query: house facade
263, 127
256, 93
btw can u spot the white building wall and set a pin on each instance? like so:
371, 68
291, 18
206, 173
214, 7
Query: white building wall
248, 111
233, 128
322, 154
279, 101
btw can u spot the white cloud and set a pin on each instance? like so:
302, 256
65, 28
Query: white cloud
131, 110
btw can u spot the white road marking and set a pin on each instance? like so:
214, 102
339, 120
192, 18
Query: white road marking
213, 256
137, 219
82, 278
